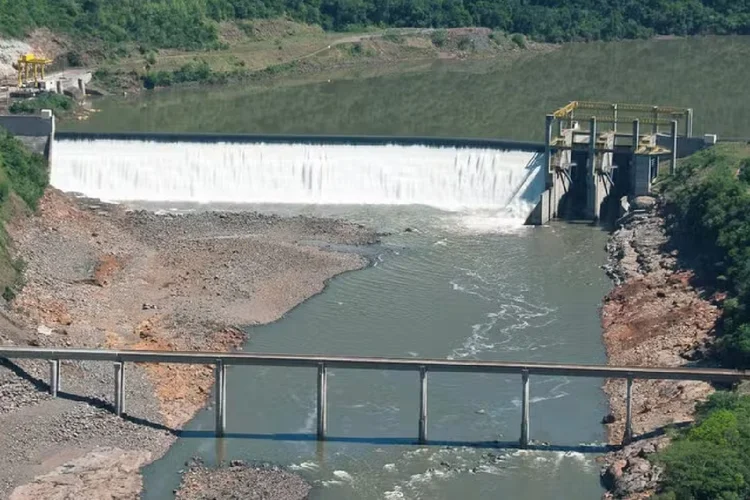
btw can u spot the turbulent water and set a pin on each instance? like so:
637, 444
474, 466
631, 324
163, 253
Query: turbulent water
466, 283
442, 177
444, 290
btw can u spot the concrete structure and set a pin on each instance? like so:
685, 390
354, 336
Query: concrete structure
321, 363
36, 132
591, 168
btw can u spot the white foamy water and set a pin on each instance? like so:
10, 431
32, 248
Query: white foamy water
447, 178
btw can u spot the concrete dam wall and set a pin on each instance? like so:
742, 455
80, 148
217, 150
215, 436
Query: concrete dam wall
449, 174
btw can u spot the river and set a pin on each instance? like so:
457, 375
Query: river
461, 286
455, 287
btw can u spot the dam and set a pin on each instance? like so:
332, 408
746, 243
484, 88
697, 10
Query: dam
447, 291
585, 168
309, 171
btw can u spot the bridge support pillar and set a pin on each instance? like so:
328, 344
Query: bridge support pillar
119, 387
422, 404
54, 377
221, 398
322, 401
628, 437
524, 409
673, 167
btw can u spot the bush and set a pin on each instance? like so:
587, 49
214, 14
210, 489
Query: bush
21, 171
465, 43
439, 38
712, 459
709, 206
519, 40
58, 103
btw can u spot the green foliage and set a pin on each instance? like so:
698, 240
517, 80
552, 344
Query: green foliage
465, 43
47, 100
21, 171
709, 199
519, 40
711, 460
191, 24
195, 71
439, 38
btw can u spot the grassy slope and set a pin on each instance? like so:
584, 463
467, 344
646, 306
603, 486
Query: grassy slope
23, 178
498, 97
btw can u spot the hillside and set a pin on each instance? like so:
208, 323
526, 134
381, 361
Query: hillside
193, 23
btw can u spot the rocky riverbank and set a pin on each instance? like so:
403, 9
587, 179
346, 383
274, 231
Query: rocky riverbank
103, 276
656, 315
240, 481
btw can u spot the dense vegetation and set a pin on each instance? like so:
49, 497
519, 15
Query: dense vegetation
22, 175
710, 202
711, 460
192, 23
59, 104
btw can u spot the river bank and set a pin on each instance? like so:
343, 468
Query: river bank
103, 276
656, 315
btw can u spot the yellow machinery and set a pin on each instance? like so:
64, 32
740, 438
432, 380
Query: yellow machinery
30, 64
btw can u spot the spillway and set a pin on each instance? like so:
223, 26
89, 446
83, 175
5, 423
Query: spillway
448, 178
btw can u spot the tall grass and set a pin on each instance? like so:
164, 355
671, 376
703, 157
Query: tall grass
493, 98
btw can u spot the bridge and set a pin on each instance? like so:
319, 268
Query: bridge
220, 361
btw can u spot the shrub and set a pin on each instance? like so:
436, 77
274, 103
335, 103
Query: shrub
21, 171
519, 40
439, 38
711, 460
58, 103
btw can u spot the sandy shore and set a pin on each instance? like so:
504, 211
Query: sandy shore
655, 316
102, 276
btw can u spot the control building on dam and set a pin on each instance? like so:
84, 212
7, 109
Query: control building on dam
597, 153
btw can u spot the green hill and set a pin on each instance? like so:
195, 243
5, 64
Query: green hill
193, 23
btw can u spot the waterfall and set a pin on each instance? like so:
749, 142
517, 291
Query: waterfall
448, 178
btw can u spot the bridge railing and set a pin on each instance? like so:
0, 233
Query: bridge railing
220, 361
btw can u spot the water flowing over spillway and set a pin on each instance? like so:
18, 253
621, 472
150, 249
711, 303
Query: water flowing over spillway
448, 178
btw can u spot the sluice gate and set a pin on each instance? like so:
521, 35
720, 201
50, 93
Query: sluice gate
597, 153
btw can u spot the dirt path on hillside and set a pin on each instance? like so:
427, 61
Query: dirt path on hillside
102, 276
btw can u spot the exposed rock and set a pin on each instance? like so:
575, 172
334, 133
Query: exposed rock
653, 317
103, 473
643, 203
240, 482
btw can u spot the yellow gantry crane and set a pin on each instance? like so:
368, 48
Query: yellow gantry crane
29, 64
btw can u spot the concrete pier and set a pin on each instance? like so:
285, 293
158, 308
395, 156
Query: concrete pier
322, 401
54, 377
673, 166
628, 437
221, 398
524, 442
422, 405
119, 388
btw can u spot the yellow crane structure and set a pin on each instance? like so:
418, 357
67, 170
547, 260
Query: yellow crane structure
29, 64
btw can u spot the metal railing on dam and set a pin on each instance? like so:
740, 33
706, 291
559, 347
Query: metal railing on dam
355, 140
220, 360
